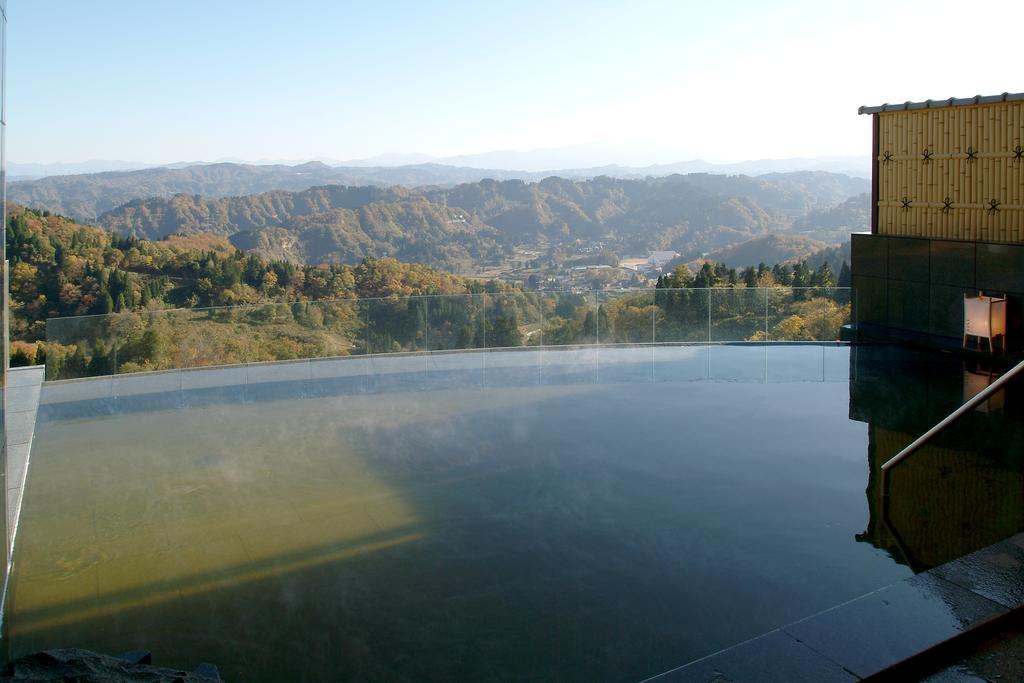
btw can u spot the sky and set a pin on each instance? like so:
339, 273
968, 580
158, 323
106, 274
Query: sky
162, 81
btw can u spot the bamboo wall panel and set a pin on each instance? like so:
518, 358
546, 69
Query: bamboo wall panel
940, 169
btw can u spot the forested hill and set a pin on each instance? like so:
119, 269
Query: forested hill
837, 222
472, 222
60, 268
334, 224
85, 196
768, 249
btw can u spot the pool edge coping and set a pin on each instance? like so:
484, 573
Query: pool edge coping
1000, 610
440, 352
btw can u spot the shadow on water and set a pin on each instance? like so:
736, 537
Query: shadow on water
573, 521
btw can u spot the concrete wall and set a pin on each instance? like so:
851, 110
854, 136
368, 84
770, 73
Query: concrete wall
916, 285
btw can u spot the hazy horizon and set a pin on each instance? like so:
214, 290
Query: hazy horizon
526, 161
652, 83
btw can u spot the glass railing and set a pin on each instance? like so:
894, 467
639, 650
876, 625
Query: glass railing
140, 341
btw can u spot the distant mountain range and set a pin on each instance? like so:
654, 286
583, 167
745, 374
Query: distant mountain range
587, 163
16, 171
471, 223
573, 161
86, 196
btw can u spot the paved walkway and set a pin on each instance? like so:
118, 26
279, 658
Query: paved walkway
889, 629
1000, 658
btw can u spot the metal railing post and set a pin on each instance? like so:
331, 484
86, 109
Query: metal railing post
654, 318
975, 401
426, 345
709, 315
765, 313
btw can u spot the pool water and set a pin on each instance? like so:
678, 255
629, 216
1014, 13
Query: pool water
540, 516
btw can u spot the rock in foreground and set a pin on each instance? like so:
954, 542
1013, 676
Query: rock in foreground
88, 667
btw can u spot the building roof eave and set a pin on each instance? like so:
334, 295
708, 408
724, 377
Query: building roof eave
950, 102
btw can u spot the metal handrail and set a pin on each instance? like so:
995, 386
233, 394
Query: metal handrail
970, 405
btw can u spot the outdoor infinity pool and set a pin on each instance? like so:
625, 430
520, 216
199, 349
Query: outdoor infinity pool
587, 514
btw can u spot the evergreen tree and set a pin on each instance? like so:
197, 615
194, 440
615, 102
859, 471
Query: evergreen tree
19, 358
466, 337
823, 277
102, 361
782, 274
844, 275
589, 327
504, 331
681, 277
75, 366
750, 276
149, 345
801, 275
603, 328
705, 277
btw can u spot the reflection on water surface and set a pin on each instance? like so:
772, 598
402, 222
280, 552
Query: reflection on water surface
583, 516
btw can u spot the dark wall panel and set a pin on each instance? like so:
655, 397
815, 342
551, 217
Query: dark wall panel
908, 305
1000, 268
952, 263
870, 255
908, 259
946, 310
917, 284
872, 299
